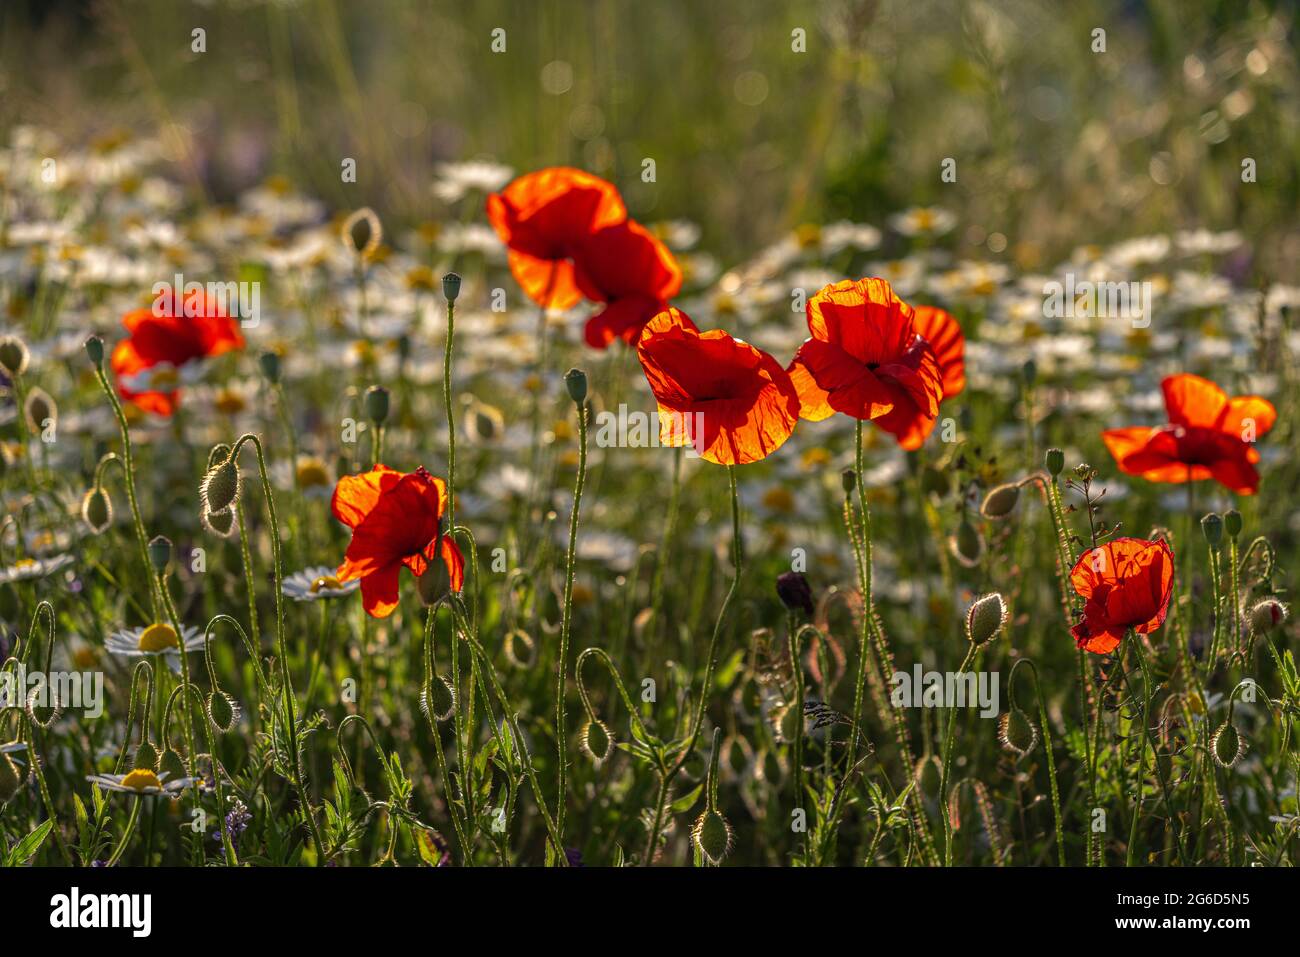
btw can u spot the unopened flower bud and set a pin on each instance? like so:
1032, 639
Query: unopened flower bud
95, 349
97, 510
270, 363
1055, 462
376, 402
848, 480
1017, 733
220, 486
1228, 745
596, 741
1001, 501
985, 618
575, 380
40, 410
792, 588
1267, 615
14, 356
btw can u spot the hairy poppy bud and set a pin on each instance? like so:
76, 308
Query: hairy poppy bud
220, 486
160, 552
438, 699
848, 480
1232, 522
520, 649
435, 583
1001, 501
451, 286
40, 410
1212, 529
597, 742
1267, 615
575, 380
146, 757
363, 232
712, 835
985, 618
792, 588
376, 402
270, 363
14, 356
43, 709
95, 349
172, 765
1228, 744
1017, 733
222, 711
1055, 462
97, 510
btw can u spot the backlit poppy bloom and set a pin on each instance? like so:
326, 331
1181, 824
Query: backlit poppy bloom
543, 217
633, 273
872, 356
1208, 436
166, 349
1126, 583
732, 402
394, 517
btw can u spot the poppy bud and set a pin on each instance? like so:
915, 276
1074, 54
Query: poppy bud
575, 380
597, 742
1055, 462
40, 409
438, 699
43, 714
146, 757
14, 356
1029, 371
95, 349
451, 286
985, 618
376, 402
220, 487
712, 835
520, 650
363, 232
222, 711
270, 363
967, 544
1017, 733
1228, 745
160, 553
1267, 615
1232, 522
1212, 529
792, 588
435, 583
1001, 501
848, 480
172, 765
97, 510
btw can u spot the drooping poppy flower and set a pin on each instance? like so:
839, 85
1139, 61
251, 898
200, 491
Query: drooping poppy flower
633, 273
1126, 583
1208, 436
872, 356
167, 348
731, 401
395, 518
543, 217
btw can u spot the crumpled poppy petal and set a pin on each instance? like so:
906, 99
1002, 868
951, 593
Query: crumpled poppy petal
942, 331
1193, 401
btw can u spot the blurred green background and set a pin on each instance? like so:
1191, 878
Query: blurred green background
1056, 145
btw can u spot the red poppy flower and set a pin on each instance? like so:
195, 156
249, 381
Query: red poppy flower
1208, 436
167, 347
394, 517
872, 356
732, 402
632, 272
1126, 583
543, 217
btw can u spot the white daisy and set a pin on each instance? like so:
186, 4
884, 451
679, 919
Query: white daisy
27, 569
455, 180
141, 781
319, 581
923, 221
157, 639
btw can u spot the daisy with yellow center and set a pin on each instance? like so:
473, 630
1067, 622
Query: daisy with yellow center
153, 640
316, 583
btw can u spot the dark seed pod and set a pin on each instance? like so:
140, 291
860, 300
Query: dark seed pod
597, 742
220, 486
95, 349
160, 552
438, 699
97, 510
222, 711
848, 480
376, 403
1228, 745
451, 286
713, 836
270, 365
1232, 522
1212, 529
146, 757
1001, 501
1017, 733
575, 381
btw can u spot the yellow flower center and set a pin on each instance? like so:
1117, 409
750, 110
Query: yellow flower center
84, 657
923, 219
779, 499
312, 473
364, 351
25, 563
808, 235
724, 303
325, 581
141, 778
158, 637
815, 456
230, 402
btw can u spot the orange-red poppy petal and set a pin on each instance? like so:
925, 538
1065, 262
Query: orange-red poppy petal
942, 331
1192, 400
